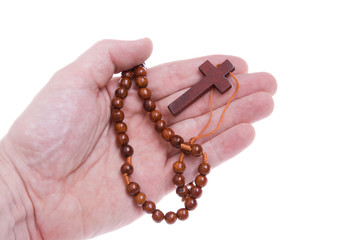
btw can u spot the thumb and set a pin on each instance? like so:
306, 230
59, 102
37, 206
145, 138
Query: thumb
96, 66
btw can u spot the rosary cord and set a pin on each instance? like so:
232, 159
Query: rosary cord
201, 135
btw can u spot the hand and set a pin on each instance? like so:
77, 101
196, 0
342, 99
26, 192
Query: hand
64, 149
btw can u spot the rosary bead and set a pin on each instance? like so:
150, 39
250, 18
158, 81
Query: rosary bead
200, 180
170, 217
158, 216
140, 198
117, 103
149, 105
121, 92
122, 139
155, 115
204, 168
125, 82
182, 214
179, 180
127, 150
117, 115
144, 93
133, 188
139, 71
127, 168
176, 141
160, 125
179, 167
195, 192
149, 206
190, 203
167, 134
182, 191
128, 74
120, 127
141, 81
196, 150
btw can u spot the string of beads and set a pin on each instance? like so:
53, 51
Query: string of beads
188, 192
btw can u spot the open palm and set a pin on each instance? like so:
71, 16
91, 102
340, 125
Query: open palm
65, 145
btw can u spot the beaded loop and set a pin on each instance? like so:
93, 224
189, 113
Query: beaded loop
190, 192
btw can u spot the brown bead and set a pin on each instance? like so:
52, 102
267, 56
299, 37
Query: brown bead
122, 139
179, 167
117, 115
127, 168
170, 217
160, 125
133, 188
120, 127
204, 168
179, 180
176, 141
196, 150
158, 216
139, 71
190, 203
149, 105
121, 92
149, 206
200, 180
117, 103
125, 82
155, 115
167, 134
182, 214
195, 192
182, 191
140, 198
141, 81
127, 150
128, 74
144, 93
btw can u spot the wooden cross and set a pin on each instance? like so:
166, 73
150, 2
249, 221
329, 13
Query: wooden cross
214, 76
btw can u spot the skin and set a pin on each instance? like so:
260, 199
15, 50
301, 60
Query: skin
59, 163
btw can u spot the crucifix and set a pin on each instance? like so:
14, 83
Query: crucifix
214, 77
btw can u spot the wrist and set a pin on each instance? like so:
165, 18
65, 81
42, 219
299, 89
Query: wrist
16, 209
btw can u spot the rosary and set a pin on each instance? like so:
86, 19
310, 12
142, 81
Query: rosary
214, 77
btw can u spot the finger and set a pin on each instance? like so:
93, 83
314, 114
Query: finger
168, 78
248, 84
96, 66
218, 149
244, 110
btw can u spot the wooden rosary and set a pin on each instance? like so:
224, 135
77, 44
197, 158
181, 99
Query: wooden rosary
214, 76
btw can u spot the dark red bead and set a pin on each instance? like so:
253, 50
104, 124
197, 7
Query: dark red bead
139, 71
149, 105
117, 115
127, 150
179, 167
149, 206
195, 192
127, 168
182, 191
160, 125
204, 168
155, 115
133, 188
170, 217
128, 74
125, 82
117, 102
121, 92
179, 180
140, 198
196, 150
122, 139
167, 134
141, 81
182, 214
190, 203
158, 216
120, 127
200, 180
176, 141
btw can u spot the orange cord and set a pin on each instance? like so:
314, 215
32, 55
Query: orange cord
201, 135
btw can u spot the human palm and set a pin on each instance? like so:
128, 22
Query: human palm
65, 145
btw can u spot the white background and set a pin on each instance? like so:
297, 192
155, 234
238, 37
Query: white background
300, 179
